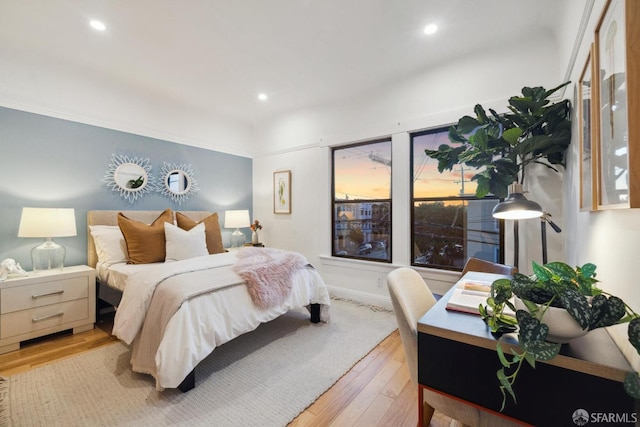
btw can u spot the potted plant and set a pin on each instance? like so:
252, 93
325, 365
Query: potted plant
535, 131
553, 286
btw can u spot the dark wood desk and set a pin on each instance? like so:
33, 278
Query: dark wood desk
457, 356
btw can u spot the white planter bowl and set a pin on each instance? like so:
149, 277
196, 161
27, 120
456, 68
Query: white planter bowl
562, 327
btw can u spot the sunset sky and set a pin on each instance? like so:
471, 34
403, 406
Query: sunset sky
362, 172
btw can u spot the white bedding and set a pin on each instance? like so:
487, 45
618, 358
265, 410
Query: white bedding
116, 275
203, 322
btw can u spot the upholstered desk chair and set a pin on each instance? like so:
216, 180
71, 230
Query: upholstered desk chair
484, 266
411, 299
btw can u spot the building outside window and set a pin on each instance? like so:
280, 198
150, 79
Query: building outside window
448, 223
362, 201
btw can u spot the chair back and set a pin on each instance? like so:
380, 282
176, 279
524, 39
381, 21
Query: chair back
411, 299
484, 266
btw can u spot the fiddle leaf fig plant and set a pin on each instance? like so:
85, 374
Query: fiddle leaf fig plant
534, 131
555, 284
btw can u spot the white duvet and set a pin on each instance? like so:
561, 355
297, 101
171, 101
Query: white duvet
203, 321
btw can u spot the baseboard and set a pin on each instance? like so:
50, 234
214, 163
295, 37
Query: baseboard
361, 297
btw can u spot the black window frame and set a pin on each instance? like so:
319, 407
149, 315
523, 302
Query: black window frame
413, 200
335, 203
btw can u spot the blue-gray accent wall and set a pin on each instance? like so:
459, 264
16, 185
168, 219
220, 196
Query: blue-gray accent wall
50, 162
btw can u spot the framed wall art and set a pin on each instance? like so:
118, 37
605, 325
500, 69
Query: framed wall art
282, 192
588, 163
618, 74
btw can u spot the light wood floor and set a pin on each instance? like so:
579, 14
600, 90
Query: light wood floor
375, 392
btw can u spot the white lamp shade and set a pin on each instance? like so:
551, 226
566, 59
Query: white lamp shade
47, 222
236, 219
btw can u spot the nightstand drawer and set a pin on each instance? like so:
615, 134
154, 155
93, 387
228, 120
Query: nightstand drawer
40, 294
35, 319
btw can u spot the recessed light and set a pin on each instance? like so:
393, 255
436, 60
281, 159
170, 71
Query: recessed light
97, 25
430, 29
262, 97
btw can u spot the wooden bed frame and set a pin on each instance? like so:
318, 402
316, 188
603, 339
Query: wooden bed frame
112, 296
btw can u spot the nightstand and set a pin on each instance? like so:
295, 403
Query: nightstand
47, 302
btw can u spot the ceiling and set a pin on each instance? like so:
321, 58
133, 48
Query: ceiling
217, 56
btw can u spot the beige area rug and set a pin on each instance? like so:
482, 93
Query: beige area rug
263, 378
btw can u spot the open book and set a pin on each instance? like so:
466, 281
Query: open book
468, 295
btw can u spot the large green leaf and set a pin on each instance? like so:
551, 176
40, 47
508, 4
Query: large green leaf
543, 350
501, 291
505, 385
507, 165
598, 310
633, 331
609, 312
632, 385
483, 186
540, 272
455, 136
531, 330
561, 271
577, 306
588, 270
480, 139
499, 182
481, 114
467, 124
555, 89
512, 135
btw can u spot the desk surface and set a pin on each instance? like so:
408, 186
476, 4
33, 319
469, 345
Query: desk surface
595, 353
457, 357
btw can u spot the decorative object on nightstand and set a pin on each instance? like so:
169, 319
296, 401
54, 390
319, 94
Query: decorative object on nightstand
255, 238
237, 219
10, 266
47, 223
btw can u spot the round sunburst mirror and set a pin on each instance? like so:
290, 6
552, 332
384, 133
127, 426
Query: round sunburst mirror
177, 182
129, 176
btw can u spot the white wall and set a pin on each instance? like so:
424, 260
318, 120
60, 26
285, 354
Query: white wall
301, 142
609, 239
117, 106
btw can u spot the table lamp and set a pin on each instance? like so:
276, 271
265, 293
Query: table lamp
237, 219
47, 223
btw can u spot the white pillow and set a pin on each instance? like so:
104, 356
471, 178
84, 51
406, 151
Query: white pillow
110, 245
183, 244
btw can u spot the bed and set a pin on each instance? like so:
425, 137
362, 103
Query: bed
176, 302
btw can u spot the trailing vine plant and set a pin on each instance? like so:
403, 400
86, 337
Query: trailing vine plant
552, 285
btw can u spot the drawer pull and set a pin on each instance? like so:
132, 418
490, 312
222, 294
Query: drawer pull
47, 294
39, 319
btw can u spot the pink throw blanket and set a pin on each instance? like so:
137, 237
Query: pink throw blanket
268, 273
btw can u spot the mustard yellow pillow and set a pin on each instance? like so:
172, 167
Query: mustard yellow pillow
211, 230
145, 243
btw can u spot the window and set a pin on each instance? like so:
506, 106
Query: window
448, 223
362, 201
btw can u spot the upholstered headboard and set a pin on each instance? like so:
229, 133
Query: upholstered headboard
111, 218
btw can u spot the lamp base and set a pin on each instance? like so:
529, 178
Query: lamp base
237, 239
48, 256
